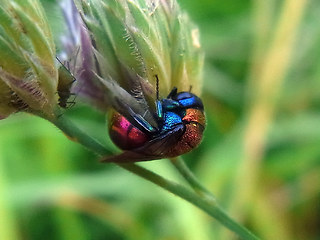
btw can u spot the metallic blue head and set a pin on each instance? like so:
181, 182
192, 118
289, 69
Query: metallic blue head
183, 100
188, 100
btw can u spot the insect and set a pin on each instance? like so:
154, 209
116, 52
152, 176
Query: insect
181, 122
66, 79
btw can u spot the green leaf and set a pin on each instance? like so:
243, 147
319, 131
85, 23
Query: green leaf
39, 41
10, 59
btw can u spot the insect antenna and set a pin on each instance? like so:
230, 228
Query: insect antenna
190, 88
61, 62
157, 87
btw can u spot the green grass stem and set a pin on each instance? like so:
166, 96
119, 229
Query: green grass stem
206, 204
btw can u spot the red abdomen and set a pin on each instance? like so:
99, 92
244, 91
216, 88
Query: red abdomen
195, 123
124, 134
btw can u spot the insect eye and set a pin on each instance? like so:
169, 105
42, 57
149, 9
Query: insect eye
189, 100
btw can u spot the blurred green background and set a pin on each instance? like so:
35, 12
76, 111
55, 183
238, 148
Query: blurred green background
260, 155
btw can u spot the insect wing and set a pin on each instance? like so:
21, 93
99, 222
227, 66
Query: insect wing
152, 150
160, 145
129, 157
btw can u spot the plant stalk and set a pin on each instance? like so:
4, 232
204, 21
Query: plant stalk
207, 204
183, 169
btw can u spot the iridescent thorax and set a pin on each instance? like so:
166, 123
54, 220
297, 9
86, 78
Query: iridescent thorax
181, 122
